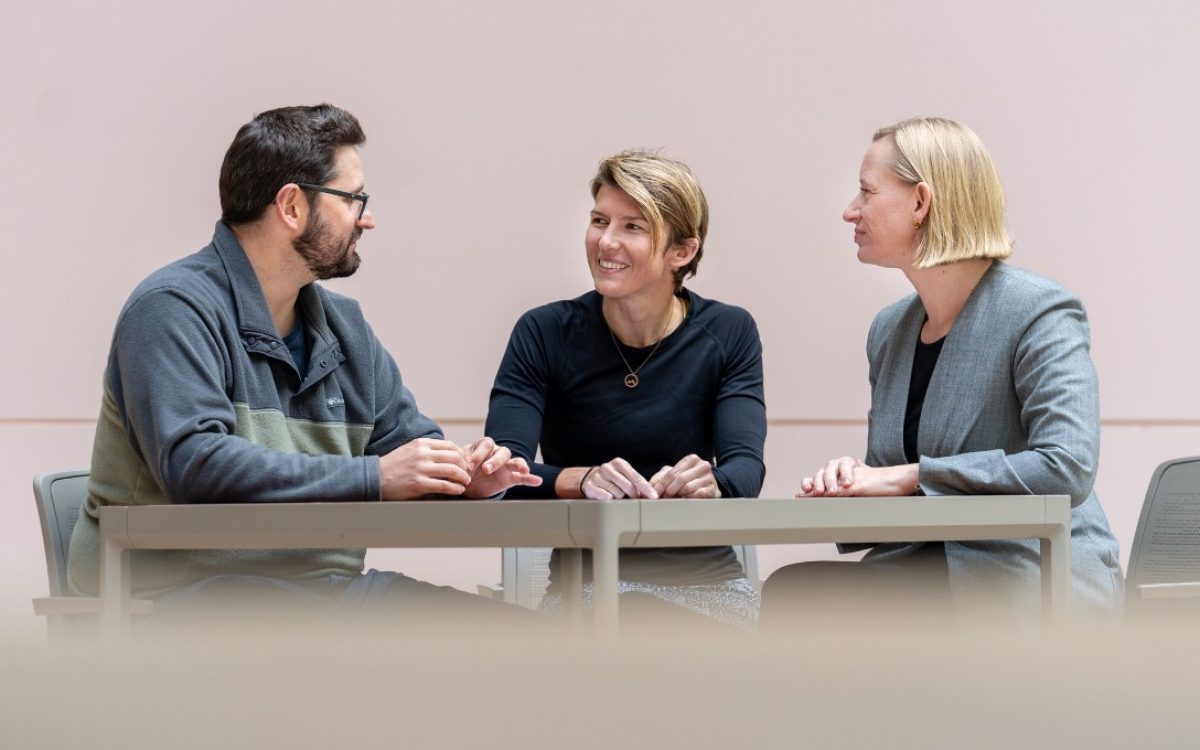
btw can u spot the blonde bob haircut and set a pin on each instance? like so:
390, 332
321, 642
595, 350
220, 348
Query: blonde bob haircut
966, 213
668, 194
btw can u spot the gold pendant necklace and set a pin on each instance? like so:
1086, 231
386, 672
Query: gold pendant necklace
632, 380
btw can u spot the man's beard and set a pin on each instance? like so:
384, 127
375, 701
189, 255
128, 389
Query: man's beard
324, 255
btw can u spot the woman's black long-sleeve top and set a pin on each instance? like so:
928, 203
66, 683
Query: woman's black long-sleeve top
561, 386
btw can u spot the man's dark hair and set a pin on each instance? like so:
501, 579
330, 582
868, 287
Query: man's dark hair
290, 144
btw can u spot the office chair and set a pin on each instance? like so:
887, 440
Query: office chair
1164, 563
60, 497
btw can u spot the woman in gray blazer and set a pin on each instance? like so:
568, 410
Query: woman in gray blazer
981, 383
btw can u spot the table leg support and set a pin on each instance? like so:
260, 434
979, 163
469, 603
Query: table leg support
604, 581
1056, 577
572, 570
114, 590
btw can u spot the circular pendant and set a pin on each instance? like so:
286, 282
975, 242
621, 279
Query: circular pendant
631, 380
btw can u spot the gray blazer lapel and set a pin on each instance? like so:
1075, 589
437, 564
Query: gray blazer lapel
885, 438
967, 365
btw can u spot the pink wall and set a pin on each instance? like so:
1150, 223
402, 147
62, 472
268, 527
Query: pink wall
485, 121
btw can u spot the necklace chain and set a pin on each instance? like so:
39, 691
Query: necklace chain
632, 380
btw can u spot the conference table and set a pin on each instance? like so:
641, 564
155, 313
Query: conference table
604, 527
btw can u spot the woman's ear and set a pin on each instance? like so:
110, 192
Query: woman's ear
680, 255
923, 202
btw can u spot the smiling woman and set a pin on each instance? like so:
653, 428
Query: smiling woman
642, 388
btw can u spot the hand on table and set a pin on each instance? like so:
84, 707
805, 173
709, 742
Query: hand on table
493, 469
423, 467
615, 480
691, 477
850, 477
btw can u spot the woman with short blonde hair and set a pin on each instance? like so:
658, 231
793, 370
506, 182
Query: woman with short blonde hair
981, 384
667, 192
642, 388
966, 218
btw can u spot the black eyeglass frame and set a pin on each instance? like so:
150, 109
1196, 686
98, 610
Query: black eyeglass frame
341, 193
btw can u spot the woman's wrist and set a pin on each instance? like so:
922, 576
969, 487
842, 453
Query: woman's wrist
569, 483
583, 479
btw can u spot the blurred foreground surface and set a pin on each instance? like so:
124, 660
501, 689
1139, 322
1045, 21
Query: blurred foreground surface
1120, 686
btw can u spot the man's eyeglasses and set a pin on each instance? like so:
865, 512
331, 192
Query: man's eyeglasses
342, 193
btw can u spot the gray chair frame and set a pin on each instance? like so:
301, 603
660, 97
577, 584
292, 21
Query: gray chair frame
60, 497
1164, 561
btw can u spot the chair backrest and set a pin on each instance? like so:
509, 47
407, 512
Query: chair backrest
525, 575
60, 497
525, 572
1166, 546
747, 555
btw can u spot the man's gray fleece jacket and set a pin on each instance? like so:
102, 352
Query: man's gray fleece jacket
203, 404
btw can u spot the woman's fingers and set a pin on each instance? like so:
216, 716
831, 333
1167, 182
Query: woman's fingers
661, 479
701, 487
693, 478
613, 479
836, 477
617, 479
633, 483
830, 476
519, 473
846, 468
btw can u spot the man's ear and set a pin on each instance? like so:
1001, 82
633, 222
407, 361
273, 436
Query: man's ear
680, 255
923, 202
291, 208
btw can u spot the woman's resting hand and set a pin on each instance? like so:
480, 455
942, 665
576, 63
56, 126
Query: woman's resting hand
691, 477
850, 477
615, 480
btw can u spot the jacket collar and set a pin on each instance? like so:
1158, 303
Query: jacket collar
254, 319
255, 324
